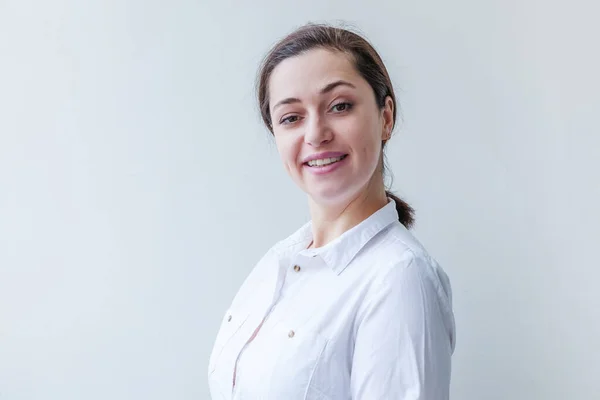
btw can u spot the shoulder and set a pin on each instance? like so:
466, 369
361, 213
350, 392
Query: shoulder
408, 285
400, 261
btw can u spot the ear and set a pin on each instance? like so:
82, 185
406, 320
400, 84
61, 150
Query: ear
387, 113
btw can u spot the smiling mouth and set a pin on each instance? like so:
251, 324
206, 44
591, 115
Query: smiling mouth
324, 162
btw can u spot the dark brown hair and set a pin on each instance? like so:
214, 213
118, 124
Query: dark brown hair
366, 61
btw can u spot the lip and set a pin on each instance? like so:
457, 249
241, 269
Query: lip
328, 154
327, 169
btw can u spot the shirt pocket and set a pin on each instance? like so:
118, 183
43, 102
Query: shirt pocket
232, 322
295, 353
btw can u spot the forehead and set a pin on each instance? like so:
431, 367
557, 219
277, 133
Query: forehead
309, 72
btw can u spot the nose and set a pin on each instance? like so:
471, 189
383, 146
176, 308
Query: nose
317, 132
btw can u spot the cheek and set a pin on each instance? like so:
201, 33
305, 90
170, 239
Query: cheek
366, 142
369, 157
288, 151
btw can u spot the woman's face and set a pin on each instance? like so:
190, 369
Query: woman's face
327, 125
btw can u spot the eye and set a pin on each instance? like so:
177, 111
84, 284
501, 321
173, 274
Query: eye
289, 120
341, 107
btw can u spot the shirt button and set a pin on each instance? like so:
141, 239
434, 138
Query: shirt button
297, 268
229, 319
291, 334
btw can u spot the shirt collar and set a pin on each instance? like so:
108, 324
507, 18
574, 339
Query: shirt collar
338, 253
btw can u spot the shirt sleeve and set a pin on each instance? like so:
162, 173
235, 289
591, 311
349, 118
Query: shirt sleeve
405, 335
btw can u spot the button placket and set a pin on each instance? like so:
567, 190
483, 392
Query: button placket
267, 319
296, 274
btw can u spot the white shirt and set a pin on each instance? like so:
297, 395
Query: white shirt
366, 317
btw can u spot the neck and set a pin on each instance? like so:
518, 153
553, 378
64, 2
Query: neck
329, 221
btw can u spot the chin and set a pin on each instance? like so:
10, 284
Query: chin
330, 196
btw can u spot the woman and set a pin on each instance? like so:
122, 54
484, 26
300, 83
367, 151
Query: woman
350, 306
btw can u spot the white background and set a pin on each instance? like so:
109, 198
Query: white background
138, 187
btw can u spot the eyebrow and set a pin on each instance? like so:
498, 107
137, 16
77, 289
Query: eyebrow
328, 88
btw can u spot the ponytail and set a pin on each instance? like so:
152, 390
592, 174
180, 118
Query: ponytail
405, 211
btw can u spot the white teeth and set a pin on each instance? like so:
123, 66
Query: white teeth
324, 161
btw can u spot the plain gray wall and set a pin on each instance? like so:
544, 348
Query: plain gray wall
138, 187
